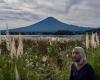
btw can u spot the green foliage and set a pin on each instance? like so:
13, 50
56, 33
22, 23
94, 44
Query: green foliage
31, 65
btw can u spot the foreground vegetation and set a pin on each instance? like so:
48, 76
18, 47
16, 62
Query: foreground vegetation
44, 60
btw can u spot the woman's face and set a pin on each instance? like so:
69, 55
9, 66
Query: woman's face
76, 56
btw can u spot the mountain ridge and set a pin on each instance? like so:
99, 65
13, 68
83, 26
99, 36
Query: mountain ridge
49, 24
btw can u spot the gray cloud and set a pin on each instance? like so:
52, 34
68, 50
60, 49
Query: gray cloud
86, 13
79, 12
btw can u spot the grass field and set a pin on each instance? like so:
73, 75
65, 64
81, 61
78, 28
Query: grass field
44, 60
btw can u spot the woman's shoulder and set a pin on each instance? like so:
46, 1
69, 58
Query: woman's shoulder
89, 67
73, 66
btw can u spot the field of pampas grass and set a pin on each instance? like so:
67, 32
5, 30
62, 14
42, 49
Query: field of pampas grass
42, 59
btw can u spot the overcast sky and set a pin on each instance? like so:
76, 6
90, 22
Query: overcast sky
18, 13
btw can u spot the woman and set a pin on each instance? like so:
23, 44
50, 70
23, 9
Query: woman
80, 69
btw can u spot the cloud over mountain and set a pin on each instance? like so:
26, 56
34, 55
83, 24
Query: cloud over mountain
79, 12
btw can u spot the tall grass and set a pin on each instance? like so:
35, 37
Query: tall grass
43, 60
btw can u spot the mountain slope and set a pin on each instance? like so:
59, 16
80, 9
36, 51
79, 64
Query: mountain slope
94, 30
49, 24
